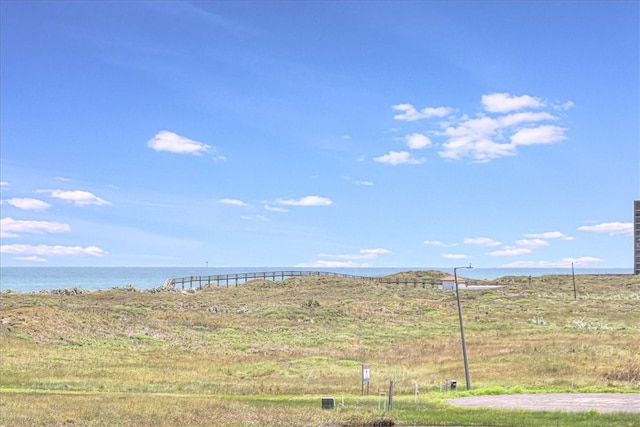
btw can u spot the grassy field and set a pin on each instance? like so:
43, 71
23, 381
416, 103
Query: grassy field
264, 353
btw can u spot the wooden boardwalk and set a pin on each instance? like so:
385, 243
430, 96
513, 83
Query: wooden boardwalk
236, 279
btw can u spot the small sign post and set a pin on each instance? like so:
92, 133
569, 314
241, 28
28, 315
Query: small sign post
366, 375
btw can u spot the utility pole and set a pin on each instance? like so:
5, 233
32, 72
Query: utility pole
464, 345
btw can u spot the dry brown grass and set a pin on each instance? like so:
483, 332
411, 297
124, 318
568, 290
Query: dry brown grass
309, 336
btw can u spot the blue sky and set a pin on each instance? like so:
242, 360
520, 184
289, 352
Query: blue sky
319, 134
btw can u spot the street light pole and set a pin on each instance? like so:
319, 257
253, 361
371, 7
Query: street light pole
573, 274
464, 345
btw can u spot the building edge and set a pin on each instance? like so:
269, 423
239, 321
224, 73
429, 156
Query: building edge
636, 237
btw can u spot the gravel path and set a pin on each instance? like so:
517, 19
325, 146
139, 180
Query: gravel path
574, 402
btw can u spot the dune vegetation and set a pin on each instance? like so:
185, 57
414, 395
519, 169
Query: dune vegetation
265, 353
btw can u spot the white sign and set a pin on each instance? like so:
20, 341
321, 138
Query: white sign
366, 373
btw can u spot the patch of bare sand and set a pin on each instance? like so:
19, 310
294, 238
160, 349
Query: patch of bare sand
571, 402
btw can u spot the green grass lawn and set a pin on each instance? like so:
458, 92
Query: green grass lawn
264, 353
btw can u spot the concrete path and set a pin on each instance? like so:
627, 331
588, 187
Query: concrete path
573, 402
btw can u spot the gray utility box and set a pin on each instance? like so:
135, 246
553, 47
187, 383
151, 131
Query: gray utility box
328, 403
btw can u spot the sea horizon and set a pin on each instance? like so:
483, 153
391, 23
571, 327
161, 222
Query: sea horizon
46, 278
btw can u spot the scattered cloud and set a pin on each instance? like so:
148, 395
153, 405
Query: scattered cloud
332, 264
374, 252
505, 102
306, 201
397, 158
505, 123
77, 197
564, 106
347, 260
32, 258
57, 250
485, 138
4, 184
528, 117
234, 202
455, 256
410, 113
359, 182
532, 243
174, 143
275, 209
438, 244
510, 251
362, 254
610, 227
547, 134
10, 227
28, 204
583, 260
564, 263
416, 141
549, 235
482, 241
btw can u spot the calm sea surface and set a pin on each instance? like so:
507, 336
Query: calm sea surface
28, 279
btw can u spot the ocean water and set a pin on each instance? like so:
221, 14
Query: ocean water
30, 279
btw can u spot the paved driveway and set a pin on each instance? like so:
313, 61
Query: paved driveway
575, 402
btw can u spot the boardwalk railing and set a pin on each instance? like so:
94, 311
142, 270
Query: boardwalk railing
240, 278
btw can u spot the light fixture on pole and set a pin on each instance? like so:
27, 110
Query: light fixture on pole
464, 345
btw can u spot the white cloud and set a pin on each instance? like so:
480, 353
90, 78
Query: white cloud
274, 209
564, 106
583, 260
525, 117
332, 264
564, 263
375, 251
532, 243
306, 201
438, 244
174, 143
397, 158
359, 182
455, 256
57, 250
362, 254
474, 138
416, 141
10, 227
234, 202
481, 241
486, 137
610, 227
77, 197
549, 235
510, 251
31, 258
504, 102
4, 184
28, 204
547, 134
410, 114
